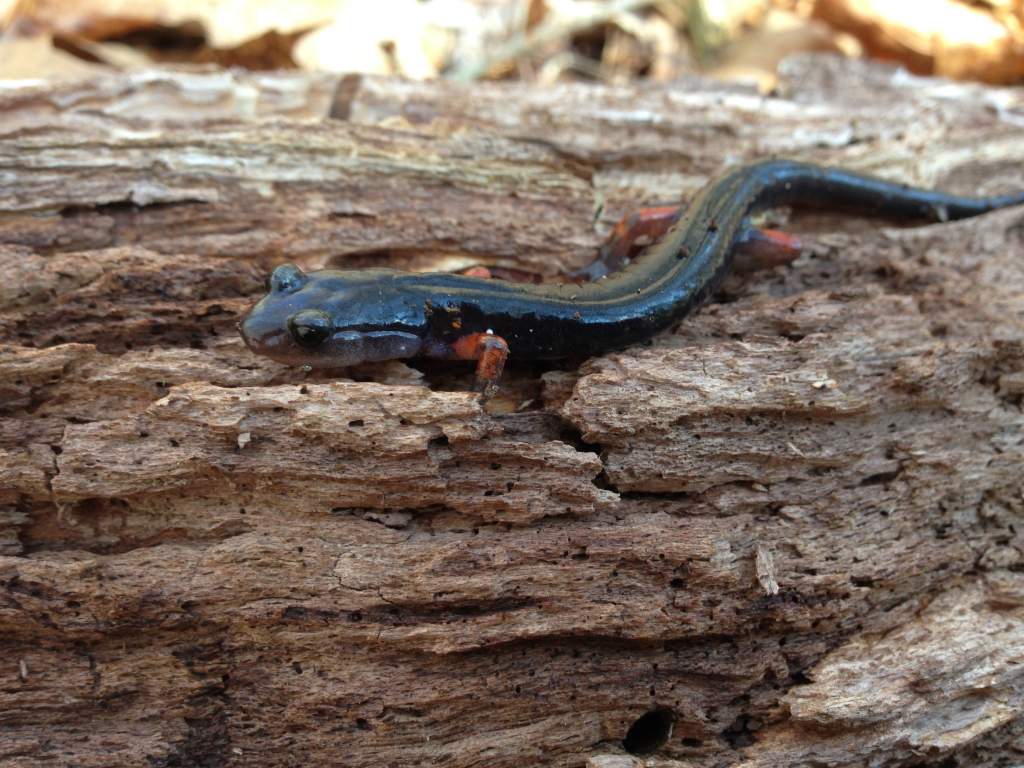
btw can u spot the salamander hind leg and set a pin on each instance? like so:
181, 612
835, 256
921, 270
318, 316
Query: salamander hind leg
633, 232
478, 271
754, 249
757, 248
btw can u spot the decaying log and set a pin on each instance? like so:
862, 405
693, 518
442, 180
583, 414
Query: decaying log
786, 533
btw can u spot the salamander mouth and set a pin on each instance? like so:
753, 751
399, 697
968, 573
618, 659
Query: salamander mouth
261, 337
340, 349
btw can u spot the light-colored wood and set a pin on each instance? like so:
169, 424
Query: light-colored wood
794, 522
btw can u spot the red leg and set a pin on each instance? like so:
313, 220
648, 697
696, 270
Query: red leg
501, 273
491, 364
647, 223
490, 353
755, 249
764, 248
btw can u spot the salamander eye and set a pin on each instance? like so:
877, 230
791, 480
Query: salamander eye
310, 327
286, 279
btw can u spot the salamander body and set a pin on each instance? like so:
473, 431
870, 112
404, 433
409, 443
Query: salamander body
333, 318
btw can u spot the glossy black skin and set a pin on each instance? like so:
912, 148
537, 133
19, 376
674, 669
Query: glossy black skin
423, 314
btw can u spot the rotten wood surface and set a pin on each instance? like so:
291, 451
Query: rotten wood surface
791, 527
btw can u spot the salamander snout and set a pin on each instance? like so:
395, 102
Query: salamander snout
324, 319
268, 328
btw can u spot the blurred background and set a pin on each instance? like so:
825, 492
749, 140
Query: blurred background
538, 41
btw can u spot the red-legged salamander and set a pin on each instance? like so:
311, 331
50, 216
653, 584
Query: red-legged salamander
335, 318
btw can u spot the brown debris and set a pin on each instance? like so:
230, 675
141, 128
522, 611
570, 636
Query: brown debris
953, 38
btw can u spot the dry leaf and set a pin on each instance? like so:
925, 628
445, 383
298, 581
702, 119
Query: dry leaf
380, 37
756, 55
941, 37
227, 23
36, 58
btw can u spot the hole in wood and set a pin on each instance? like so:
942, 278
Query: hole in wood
650, 732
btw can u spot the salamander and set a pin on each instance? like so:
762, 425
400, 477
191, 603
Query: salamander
337, 318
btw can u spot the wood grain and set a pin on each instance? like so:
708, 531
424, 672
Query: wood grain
791, 525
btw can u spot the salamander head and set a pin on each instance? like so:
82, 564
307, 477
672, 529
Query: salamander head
331, 319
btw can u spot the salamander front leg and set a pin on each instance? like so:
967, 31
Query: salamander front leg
490, 352
490, 364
